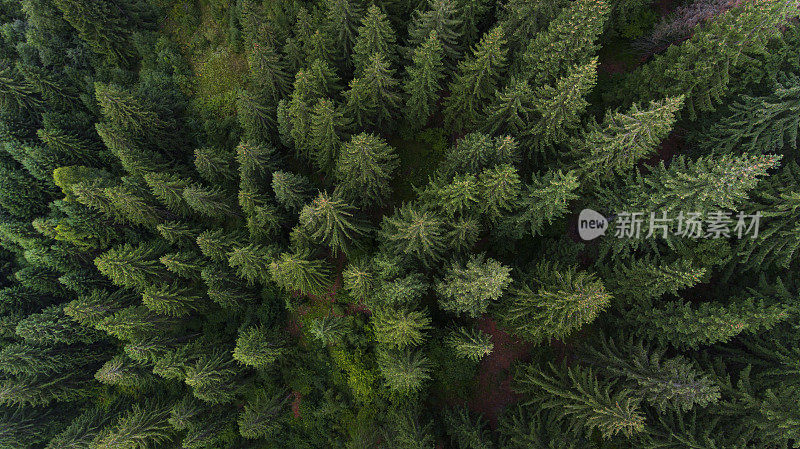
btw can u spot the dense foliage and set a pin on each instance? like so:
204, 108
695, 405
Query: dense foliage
346, 224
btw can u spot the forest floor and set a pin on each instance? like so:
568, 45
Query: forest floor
493, 389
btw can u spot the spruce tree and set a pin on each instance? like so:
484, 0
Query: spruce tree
330, 221
559, 106
476, 80
373, 97
577, 395
470, 343
569, 41
470, 288
364, 169
616, 145
375, 36
439, 19
564, 301
423, 81
399, 328
405, 372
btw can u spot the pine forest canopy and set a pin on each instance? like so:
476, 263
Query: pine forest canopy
285, 224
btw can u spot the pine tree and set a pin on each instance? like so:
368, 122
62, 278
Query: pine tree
470, 343
565, 301
364, 169
476, 81
375, 36
400, 328
469, 288
623, 139
569, 41
577, 395
330, 221
405, 372
423, 80
559, 106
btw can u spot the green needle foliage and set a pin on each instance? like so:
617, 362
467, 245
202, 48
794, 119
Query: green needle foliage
344, 224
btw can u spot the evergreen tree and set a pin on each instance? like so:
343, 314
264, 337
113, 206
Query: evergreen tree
471, 287
500, 189
328, 125
468, 432
440, 18
565, 301
623, 139
341, 20
375, 36
405, 372
291, 190
701, 67
559, 106
364, 168
299, 272
576, 394
759, 124
414, 232
399, 328
373, 97
476, 81
699, 185
545, 199
569, 41
329, 221
423, 80
664, 382
259, 348
471, 344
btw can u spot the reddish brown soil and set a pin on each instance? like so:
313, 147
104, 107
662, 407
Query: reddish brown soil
493, 390
296, 403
